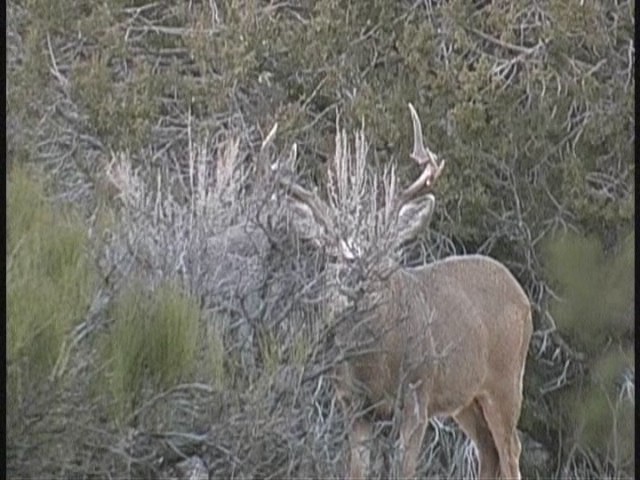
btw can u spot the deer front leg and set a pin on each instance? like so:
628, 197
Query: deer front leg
413, 427
359, 442
359, 429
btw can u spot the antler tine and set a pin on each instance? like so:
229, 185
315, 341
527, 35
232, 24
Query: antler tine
425, 158
270, 136
262, 164
420, 153
301, 194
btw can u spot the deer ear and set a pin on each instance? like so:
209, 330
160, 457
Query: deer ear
304, 222
414, 218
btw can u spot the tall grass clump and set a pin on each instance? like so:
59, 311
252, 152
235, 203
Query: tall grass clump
604, 410
50, 283
153, 343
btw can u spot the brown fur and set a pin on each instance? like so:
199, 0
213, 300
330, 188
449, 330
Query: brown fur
453, 337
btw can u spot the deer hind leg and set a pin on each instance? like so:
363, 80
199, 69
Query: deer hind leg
412, 429
501, 413
472, 422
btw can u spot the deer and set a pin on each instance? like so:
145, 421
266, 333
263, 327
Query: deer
448, 338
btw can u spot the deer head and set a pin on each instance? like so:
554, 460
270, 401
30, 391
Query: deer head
365, 215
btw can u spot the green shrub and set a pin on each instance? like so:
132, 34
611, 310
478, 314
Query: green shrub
50, 281
122, 113
596, 291
153, 342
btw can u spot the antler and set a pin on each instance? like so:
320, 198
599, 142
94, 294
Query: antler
283, 174
350, 182
306, 197
424, 157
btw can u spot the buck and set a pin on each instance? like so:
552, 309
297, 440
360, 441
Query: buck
448, 338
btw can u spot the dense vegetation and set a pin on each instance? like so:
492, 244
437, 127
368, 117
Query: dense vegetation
159, 307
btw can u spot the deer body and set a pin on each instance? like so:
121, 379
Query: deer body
447, 339
454, 329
